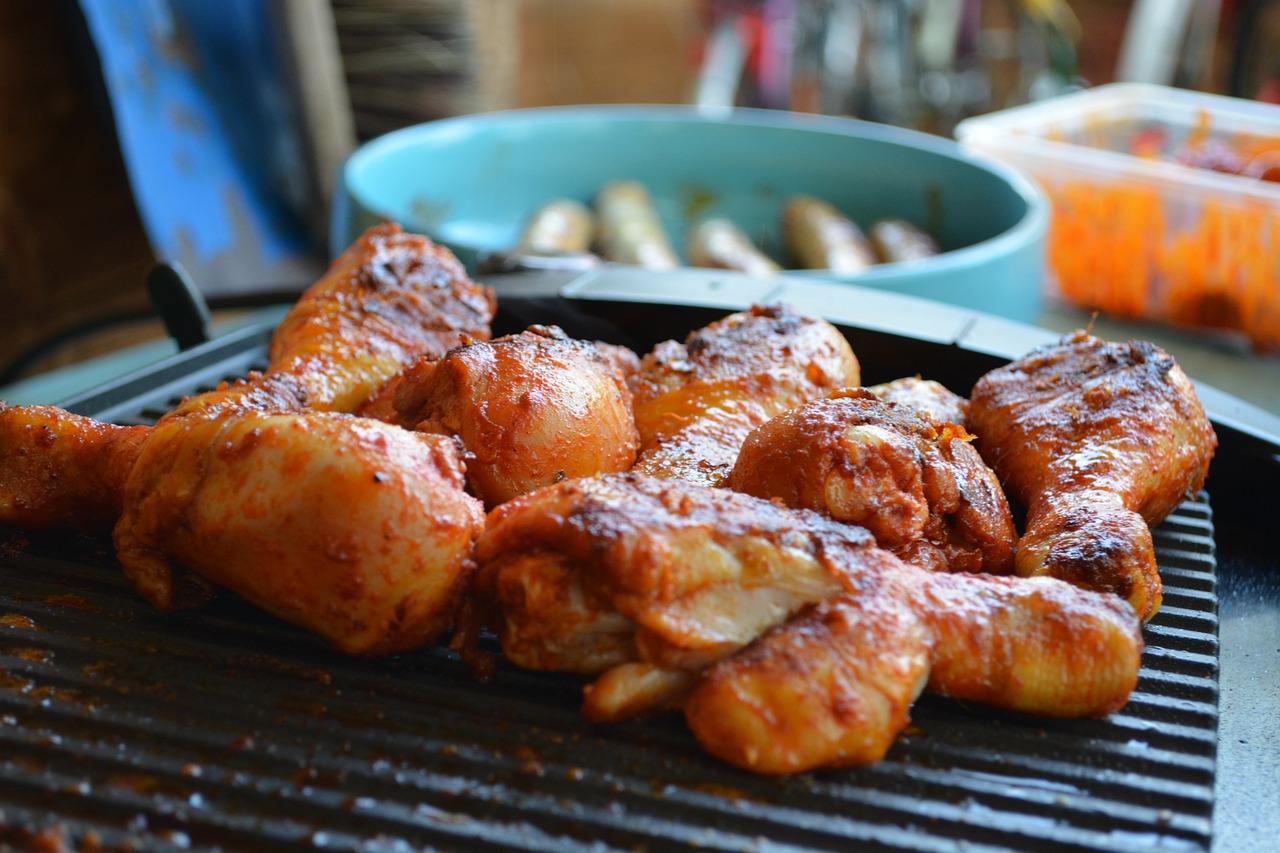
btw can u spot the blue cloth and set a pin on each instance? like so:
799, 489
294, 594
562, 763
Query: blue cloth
210, 138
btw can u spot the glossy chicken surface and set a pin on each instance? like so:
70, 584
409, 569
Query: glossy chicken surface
833, 687
530, 410
390, 298
919, 486
791, 641
1098, 441
356, 530
925, 395
792, 618
61, 471
696, 401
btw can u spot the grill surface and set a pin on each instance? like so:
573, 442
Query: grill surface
226, 729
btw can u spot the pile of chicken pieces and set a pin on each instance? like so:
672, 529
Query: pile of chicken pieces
730, 526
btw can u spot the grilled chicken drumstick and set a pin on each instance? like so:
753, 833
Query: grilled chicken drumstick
657, 586
833, 687
696, 401
1099, 442
61, 471
530, 409
356, 530
919, 486
390, 297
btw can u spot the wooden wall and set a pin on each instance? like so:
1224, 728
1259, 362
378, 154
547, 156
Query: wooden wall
72, 248
536, 53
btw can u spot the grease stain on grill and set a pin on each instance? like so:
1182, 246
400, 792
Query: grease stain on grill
69, 599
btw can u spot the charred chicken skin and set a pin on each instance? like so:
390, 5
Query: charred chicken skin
696, 401
390, 297
530, 410
358, 531
919, 486
791, 641
1099, 442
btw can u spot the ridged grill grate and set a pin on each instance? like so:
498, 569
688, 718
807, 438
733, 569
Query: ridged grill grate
226, 729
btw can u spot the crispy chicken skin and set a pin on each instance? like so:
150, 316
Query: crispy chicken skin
696, 401
925, 395
530, 409
919, 486
390, 297
1099, 442
356, 530
791, 641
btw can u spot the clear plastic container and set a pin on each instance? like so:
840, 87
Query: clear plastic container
1166, 205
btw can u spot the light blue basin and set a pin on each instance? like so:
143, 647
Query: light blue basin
472, 182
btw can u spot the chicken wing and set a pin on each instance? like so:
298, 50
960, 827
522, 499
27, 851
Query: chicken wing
390, 297
919, 486
696, 401
530, 409
791, 641
1099, 442
356, 530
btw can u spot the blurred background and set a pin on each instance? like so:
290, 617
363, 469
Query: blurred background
211, 133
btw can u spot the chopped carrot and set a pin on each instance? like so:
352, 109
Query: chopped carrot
1133, 251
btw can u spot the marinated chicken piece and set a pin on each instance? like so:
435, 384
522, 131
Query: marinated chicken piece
1033, 645
358, 531
593, 573
391, 297
919, 486
696, 401
791, 641
60, 471
925, 395
1099, 442
624, 362
833, 687
530, 409
388, 299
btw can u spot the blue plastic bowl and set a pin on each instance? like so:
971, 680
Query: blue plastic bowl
472, 182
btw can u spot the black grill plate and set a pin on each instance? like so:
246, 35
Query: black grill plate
226, 729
